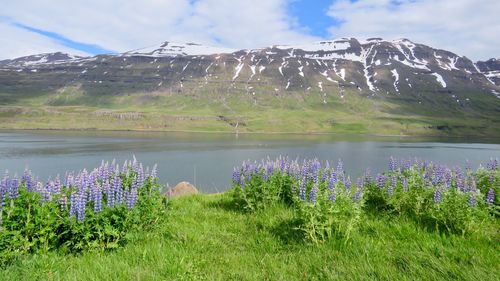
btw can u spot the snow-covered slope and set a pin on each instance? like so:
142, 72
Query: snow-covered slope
371, 66
40, 59
169, 49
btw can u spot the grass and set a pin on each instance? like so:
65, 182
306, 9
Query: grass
206, 237
202, 112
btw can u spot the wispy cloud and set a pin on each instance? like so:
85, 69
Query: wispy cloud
467, 27
125, 25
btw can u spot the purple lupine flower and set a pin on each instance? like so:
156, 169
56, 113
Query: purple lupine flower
437, 196
302, 190
393, 164
104, 174
348, 183
472, 200
368, 175
381, 181
139, 177
247, 168
237, 176
81, 203
333, 180
96, 196
44, 191
73, 201
405, 184
81, 206
405, 164
459, 179
28, 180
392, 186
360, 183
117, 188
357, 195
14, 188
69, 180
427, 177
490, 197
447, 178
109, 192
63, 202
268, 171
325, 172
313, 194
131, 198
494, 164
125, 167
57, 185
332, 197
315, 167
304, 171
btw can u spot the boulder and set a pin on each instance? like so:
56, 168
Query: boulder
181, 189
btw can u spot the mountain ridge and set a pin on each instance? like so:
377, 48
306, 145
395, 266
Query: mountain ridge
388, 78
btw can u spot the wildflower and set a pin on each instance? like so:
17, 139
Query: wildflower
348, 183
405, 184
392, 186
333, 180
472, 200
237, 176
437, 196
357, 195
302, 190
490, 197
381, 181
393, 165
313, 194
332, 196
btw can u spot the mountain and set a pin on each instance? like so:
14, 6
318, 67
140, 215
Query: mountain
401, 81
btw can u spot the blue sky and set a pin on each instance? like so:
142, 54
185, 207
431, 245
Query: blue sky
313, 16
90, 27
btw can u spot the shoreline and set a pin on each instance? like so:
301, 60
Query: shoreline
256, 133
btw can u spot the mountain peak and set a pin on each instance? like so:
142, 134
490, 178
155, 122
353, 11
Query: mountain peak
171, 49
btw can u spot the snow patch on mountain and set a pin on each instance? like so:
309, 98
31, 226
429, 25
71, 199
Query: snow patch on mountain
396, 78
440, 79
168, 49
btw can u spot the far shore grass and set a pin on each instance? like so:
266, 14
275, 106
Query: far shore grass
205, 237
255, 122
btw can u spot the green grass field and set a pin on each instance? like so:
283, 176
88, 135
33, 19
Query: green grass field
219, 112
205, 237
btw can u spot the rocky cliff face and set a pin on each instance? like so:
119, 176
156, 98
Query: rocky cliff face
373, 68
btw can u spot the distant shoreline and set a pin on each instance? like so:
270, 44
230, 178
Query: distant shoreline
406, 136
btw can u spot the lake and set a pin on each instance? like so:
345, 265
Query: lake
207, 160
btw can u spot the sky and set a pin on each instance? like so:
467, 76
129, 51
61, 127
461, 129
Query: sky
467, 27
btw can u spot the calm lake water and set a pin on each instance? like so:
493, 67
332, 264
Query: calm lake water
208, 159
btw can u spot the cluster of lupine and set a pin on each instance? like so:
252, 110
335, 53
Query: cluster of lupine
309, 177
441, 179
423, 189
324, 198
108, 185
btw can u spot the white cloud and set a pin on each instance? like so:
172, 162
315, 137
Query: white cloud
126, 25
466, 27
